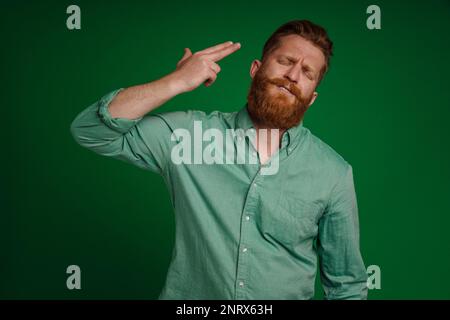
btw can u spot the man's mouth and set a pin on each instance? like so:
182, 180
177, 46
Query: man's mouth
286, 90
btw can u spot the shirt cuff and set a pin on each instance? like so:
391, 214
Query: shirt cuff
121, 125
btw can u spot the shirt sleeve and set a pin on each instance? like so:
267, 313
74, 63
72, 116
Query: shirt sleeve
342, 269
144, 142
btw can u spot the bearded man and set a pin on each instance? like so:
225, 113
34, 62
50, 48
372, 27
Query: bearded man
241, 234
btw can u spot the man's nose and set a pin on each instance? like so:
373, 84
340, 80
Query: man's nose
293, 74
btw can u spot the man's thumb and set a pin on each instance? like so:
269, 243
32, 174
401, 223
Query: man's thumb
187, 54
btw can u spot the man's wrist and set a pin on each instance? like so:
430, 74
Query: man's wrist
175, 85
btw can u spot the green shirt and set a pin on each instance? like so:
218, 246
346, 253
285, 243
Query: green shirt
241, 234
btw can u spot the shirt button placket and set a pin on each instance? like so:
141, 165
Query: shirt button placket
243, 255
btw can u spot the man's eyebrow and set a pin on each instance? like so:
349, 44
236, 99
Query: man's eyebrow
306, 66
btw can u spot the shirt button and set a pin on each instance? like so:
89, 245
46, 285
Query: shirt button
241, 284
255, 184
247, 218
244, 250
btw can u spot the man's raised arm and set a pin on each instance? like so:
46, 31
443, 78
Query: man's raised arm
114, 126
192, 70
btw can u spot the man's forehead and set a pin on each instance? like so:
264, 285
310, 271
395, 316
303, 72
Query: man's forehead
298, 47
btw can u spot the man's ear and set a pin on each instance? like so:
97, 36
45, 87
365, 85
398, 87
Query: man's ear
313, 98
256, 64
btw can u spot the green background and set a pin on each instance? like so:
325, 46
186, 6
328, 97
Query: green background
384, 106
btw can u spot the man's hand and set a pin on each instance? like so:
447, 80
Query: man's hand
201, 67
192, 70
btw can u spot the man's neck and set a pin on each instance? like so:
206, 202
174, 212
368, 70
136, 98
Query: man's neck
268, 141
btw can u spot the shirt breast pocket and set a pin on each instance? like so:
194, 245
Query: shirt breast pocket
292, 221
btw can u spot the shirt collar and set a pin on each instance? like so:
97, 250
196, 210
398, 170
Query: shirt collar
290, 138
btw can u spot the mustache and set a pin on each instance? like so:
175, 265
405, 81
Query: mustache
288, 85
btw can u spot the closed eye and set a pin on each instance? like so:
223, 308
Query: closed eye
285, 61
308, 73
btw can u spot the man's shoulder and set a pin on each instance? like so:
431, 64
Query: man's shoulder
324, 153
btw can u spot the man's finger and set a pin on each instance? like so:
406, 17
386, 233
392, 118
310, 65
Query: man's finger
211, 79
218, 55
216, 47
215, 67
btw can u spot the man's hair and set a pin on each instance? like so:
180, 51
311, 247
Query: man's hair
308, 30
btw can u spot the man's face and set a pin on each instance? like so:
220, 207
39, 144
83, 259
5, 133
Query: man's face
283, 86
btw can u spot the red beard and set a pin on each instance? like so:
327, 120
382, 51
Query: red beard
275, 111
